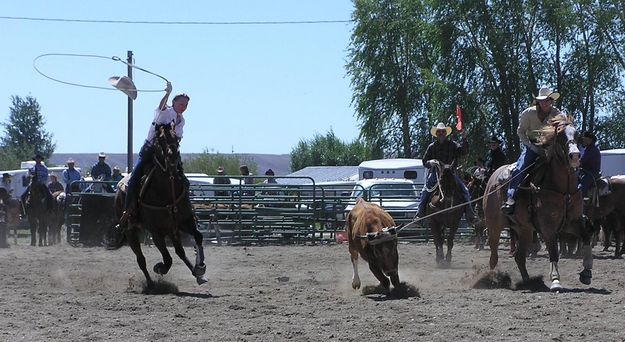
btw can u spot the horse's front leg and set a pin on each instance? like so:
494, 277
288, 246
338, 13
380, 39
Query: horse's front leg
437, 236
450, 240
199, 268
162, 267
135, 245
552, 247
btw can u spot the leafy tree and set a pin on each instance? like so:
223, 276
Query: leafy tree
25, 133
488, 57
327, 150
208, 162
9, 159
387, 53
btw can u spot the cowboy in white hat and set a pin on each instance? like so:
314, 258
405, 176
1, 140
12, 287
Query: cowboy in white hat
532, 119
446, 152
101, 170
70, 175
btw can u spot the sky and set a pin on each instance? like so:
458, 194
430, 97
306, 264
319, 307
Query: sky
253, 88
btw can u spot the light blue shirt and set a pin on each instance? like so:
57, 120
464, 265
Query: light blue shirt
42, 173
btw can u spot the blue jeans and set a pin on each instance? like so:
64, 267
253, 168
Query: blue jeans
430, 182
526, 158
145, 155
586, 181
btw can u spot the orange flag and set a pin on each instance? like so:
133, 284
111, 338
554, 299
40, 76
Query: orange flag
459, 118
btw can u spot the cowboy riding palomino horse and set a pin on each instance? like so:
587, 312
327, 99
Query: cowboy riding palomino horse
549, 203
164, 210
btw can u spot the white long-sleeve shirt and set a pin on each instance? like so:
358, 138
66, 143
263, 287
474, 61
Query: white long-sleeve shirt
167, 116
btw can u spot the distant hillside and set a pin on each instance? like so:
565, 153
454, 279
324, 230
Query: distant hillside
279, 163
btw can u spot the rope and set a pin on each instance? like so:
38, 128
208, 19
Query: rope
497, 188
114, 58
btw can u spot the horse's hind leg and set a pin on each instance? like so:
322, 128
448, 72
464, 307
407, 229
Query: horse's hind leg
33, 231
133, 242
162, 267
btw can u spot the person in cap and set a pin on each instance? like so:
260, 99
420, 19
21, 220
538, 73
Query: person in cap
590, 163
532, 119
163, 115
7, 183
495, 158
117, 174
69, 175
270, 174
221, 179
447, 152
54, 184
101, 170
40, 169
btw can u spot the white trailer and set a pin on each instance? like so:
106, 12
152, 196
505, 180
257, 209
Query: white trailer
399, 168
613, 162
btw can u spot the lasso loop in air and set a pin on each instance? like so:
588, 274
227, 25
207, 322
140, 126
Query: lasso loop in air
114, 58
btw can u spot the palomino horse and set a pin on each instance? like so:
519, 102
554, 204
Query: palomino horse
607, 207
37, 204
446, 196
56, 218
551, 204
164, 210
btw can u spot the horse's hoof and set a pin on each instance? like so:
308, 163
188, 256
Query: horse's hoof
585, 277
355, 285
159, 268
201, 280
199, 270
555, 286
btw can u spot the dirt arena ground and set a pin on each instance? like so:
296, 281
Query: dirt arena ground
297, 293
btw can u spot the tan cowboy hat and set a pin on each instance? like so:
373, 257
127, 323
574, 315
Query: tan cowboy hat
440, 126
545, 92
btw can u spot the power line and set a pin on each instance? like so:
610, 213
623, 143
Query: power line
92, 21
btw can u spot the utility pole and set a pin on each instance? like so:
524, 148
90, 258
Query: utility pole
129, 157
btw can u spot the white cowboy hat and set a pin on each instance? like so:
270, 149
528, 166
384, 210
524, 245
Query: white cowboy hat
440, 126
125, 84
545, 92
102, 155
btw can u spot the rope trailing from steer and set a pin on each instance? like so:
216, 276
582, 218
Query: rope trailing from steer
396, 229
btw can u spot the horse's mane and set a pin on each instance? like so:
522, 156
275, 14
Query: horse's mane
554, 126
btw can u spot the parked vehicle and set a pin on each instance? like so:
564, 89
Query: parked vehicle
613, 162
400, 197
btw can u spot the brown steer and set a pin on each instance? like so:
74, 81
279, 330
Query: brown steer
372, 234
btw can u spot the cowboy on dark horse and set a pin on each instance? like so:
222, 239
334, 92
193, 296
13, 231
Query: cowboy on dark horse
447, 152
164, 115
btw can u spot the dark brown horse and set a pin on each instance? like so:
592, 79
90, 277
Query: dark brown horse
37, 204
607, 208
549, 204
476, 186
56, 217
164, 210
444, 210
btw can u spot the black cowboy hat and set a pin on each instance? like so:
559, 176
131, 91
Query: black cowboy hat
589, 135
494, 139
269, 173
37, 156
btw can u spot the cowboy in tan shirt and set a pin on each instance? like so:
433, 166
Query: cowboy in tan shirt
532, 119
